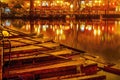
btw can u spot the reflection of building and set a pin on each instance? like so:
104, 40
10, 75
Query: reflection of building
117, 25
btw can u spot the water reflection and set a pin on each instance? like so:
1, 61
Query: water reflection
97, 37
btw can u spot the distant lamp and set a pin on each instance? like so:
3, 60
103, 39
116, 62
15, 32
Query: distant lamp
7, 10
71, 7
5, 33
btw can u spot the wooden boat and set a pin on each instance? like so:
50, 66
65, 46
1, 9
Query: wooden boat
113, 70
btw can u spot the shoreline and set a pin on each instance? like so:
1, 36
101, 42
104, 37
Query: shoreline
77, 17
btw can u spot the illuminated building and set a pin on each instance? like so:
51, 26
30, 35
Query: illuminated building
84, 6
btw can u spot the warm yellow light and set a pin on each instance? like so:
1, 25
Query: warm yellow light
68, 4
113, 3
82, 27
97, 32
34, 4
103, 28
58, 1
103, 4
5, 33
82, 2
5, 1
66, 27
71, 6
38, 31
45, 27
27, 27
87, 4
35, 29
71, 24
38, 2
63, 37
28, 4
100, 1
59, 31
89, 27
61, 2
112, 28
96, 1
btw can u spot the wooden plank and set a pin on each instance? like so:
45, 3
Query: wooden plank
43, 61
37, 46
21, 71
12, 35
44, 45
18, 43
89, 77
65, 76
55, 53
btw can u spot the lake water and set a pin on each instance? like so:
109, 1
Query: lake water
97, 37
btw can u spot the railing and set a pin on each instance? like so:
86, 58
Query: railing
5, 42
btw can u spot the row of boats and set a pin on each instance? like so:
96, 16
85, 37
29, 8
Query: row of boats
30, 57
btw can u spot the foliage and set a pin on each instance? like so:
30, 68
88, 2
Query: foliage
2, 4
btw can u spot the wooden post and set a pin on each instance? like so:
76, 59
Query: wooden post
31, 8
1, 58
78, 68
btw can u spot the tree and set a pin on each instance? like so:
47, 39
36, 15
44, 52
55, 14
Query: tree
15, 2
2, 4
17, 7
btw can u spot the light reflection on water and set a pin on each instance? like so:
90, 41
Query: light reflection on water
100, 38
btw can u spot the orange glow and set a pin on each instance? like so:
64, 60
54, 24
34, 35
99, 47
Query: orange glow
67, 3
103, 28
82, 27
45, 27
5, 0
103, 4
34, 4
89, 27
59, 31
37, 30
86, 28
71, 24
28, 4
66, 27
113, 3
60, 35
38, 2
108, 28
112, 28
27, 27
71, 6
97, 32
